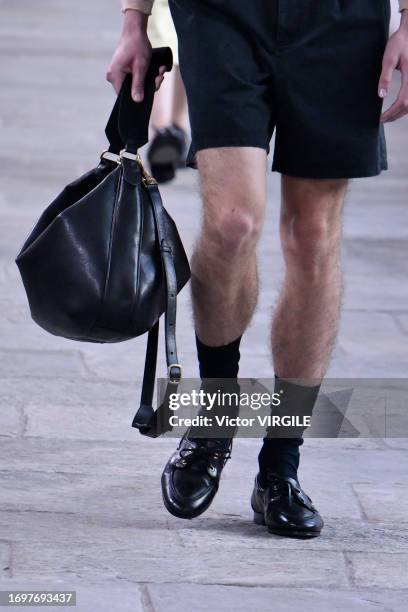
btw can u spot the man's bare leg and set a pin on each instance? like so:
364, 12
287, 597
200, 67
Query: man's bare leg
224, 274
179, 107
303, 333
170, 103
224, 292
306, 318
161, 116
304, 326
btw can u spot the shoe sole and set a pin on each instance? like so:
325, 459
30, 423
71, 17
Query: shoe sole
163, 173
260, 520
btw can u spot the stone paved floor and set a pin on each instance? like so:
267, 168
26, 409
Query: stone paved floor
80, 502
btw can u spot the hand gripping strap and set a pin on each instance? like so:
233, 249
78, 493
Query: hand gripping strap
128, 123
147, 421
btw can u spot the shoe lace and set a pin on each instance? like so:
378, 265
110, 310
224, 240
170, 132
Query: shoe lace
202, 452
280, 487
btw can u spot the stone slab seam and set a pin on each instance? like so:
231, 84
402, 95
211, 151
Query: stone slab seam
8, 569
349, 570
146, 598
364, 516
95, 380
11, 509
250, 585
397, 448
86, 367
24, 423
396, 317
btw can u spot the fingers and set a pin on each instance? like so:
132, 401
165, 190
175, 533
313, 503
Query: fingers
389, 64
116, 78
388, 67
139, 74
396, 110
139, 69
400, 107
395, 57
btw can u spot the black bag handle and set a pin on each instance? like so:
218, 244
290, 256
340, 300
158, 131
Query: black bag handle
128, 123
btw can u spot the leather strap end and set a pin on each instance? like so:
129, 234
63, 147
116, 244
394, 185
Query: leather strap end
144, 417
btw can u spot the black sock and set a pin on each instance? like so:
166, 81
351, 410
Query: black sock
281, 455
218, 361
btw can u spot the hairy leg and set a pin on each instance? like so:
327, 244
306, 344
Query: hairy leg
305, 322
224, 273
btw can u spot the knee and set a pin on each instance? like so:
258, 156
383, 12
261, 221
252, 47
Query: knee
233, 190
232, 230
311, 216
310, 243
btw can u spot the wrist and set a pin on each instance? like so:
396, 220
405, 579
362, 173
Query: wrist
134, 20
404, 20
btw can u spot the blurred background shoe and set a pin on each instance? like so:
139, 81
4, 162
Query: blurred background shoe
167, 153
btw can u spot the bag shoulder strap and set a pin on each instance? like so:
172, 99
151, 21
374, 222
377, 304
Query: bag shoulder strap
146, 419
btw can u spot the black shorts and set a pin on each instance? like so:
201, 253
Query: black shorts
310, 68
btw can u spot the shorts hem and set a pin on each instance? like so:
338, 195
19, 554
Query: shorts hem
329, 175
216, 143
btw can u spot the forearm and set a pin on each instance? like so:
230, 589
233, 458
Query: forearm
144, 6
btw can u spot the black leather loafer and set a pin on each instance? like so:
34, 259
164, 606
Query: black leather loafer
191, 477
285, 509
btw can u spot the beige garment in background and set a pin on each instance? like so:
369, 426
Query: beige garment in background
161, 29
146, 5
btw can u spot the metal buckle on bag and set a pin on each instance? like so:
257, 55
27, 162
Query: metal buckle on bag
147, 179
165, 247
110, 156
174, 379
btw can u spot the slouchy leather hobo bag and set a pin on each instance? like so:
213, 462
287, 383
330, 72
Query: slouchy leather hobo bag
105, 259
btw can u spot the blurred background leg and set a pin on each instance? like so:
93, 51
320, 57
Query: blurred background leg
169, 121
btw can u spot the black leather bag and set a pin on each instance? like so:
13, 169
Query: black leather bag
105, 260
